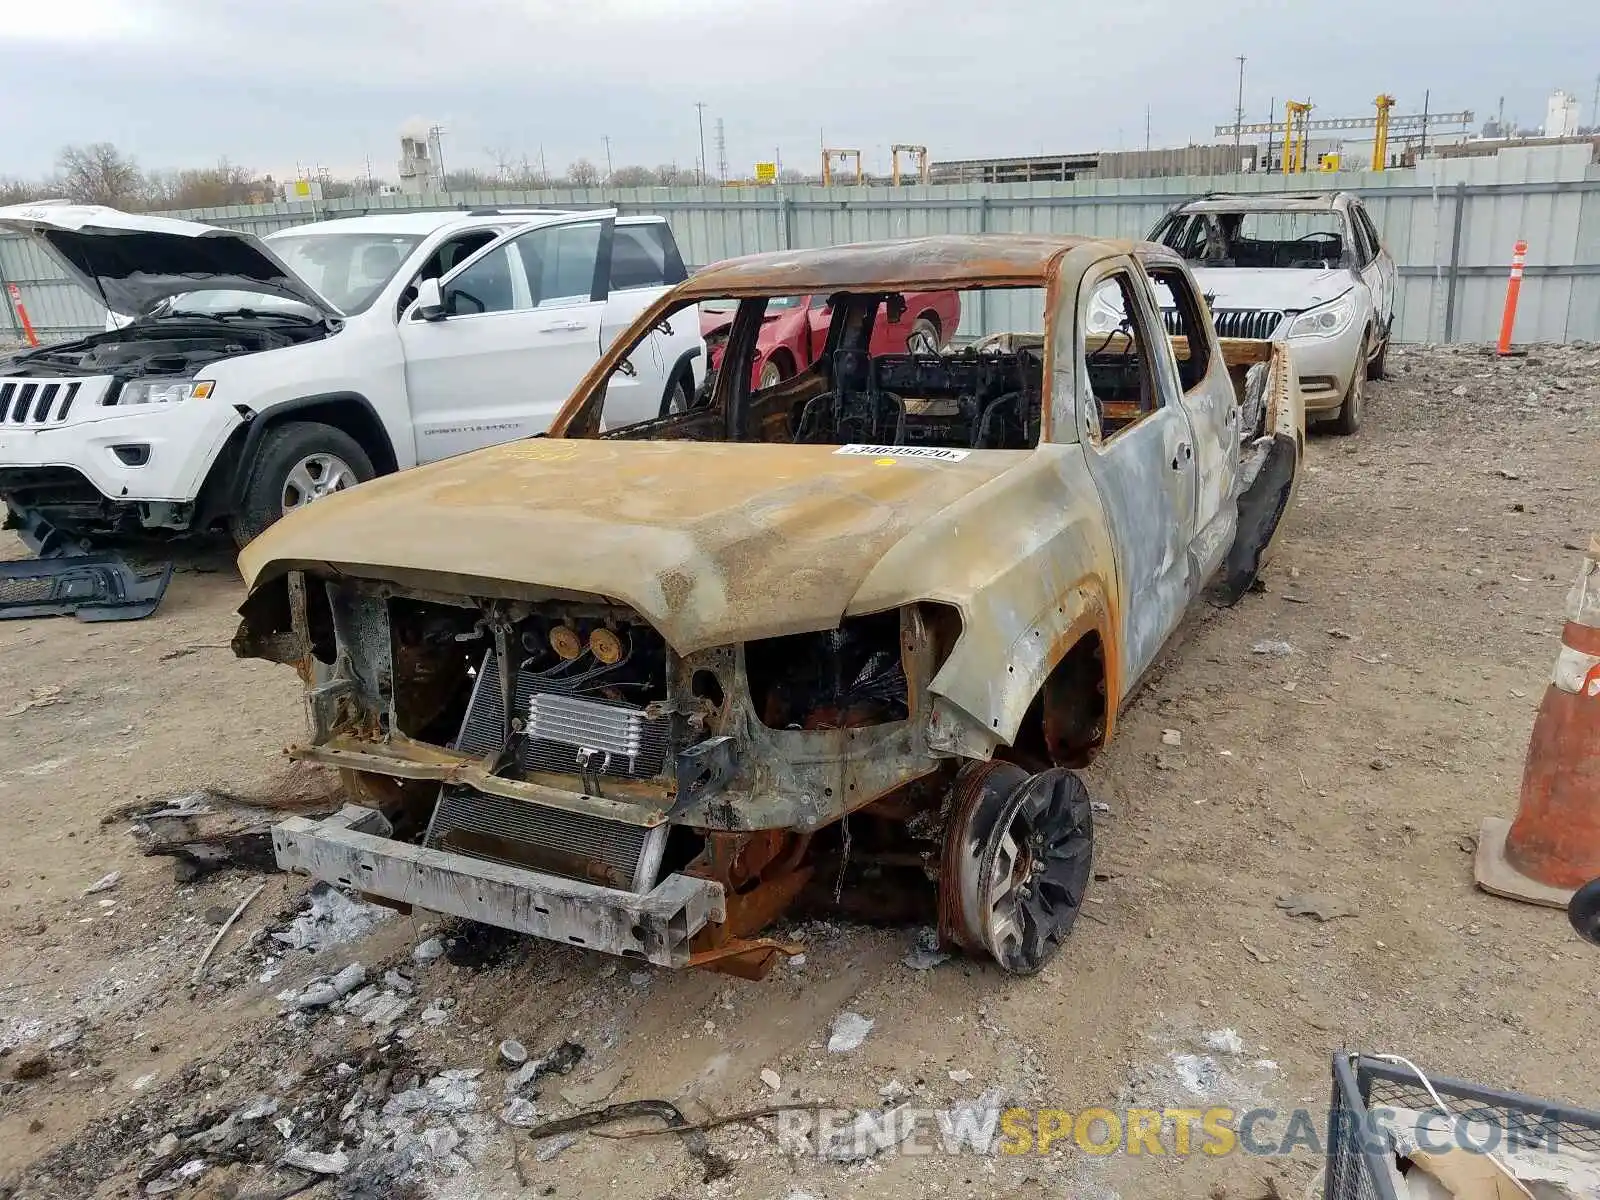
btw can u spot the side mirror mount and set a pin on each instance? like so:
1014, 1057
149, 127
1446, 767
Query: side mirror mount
430, 301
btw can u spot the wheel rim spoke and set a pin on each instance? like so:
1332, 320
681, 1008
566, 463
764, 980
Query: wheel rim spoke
315, 476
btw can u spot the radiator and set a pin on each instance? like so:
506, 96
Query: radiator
566, 733
587, 739
520, 833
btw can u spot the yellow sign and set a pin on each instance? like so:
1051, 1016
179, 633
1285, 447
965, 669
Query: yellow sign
302, 187
766, 172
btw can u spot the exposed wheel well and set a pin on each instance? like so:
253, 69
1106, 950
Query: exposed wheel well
785, 360
1065, 725
932, 318
350, 414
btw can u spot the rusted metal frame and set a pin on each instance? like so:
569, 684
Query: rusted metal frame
807, 779
657, 925
401, 758
567, 422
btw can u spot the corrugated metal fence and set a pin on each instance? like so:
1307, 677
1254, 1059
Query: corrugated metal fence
1450, 225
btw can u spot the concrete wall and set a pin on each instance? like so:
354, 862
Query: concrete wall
1450, 225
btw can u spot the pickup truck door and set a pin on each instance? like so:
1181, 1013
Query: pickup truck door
1139, 448
1200, 381
521, 326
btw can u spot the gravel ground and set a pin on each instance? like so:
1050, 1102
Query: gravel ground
1419, 589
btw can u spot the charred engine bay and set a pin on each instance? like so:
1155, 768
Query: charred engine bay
166, 347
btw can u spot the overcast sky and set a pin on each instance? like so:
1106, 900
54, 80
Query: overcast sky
275, 83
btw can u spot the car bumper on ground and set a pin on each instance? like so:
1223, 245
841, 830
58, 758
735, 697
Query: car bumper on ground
153, 453
1325, 367
352, 849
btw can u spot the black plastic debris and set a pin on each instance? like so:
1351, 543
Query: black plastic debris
91, 587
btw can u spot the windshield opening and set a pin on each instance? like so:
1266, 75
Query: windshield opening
775, 304
1274, 239
347, 269
929, 374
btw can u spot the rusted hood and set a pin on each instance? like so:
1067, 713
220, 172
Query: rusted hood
713, 544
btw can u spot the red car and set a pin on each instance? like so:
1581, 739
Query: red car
796, 328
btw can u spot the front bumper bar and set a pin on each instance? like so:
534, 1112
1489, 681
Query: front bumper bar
655, 927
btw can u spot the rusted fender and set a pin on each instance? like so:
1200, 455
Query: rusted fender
1270, 477
1027, 561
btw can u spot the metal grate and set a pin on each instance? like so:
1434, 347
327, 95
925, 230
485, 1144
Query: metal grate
36, 403
562, 727
1357, 1154
1258, 323
520, 833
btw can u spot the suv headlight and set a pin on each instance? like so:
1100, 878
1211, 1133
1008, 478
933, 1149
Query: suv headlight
168, 391
1326, 320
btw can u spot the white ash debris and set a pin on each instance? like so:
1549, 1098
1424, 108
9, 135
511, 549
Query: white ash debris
330, 919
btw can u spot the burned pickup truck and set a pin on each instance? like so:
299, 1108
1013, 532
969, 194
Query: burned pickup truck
643, 687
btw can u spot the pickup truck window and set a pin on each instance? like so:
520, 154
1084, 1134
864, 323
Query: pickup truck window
1181, 313
1120, 375
884, 368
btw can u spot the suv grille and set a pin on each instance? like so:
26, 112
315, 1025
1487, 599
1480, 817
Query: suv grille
36, 403
1246, 322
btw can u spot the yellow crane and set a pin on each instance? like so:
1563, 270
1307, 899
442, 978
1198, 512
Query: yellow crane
829, 155
1297, 126
1296, 134
919, 156
1380, 134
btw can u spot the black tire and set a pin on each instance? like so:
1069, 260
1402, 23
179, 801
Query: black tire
1348, 419
680, 395
282, 449
925, 327
1583, 910
1378, 365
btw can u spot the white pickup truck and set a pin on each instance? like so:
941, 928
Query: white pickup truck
247, 377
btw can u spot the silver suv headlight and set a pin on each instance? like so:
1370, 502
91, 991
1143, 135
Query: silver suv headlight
164, 391
1326, 320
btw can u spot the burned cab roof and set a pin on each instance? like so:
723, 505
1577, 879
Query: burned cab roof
948, 260
1256, 202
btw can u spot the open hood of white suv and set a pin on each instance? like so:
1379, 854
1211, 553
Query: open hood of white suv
133, 262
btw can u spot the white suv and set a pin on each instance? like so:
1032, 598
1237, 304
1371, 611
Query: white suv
246, 377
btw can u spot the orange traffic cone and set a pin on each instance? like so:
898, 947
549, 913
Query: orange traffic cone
1553, 847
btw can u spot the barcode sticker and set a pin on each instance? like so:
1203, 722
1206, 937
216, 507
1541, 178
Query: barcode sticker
937, 453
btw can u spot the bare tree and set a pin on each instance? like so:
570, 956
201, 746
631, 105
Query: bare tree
633, 177
470, 179
99, 173
792, 175
206, 187
583, 173
20, 191
670, 175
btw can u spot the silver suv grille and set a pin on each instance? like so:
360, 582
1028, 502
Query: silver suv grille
1255, 323
1246, 322
37, 402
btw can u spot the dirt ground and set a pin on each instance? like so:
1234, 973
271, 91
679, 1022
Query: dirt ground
1420, 589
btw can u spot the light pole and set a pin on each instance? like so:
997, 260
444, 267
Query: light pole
700, 111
